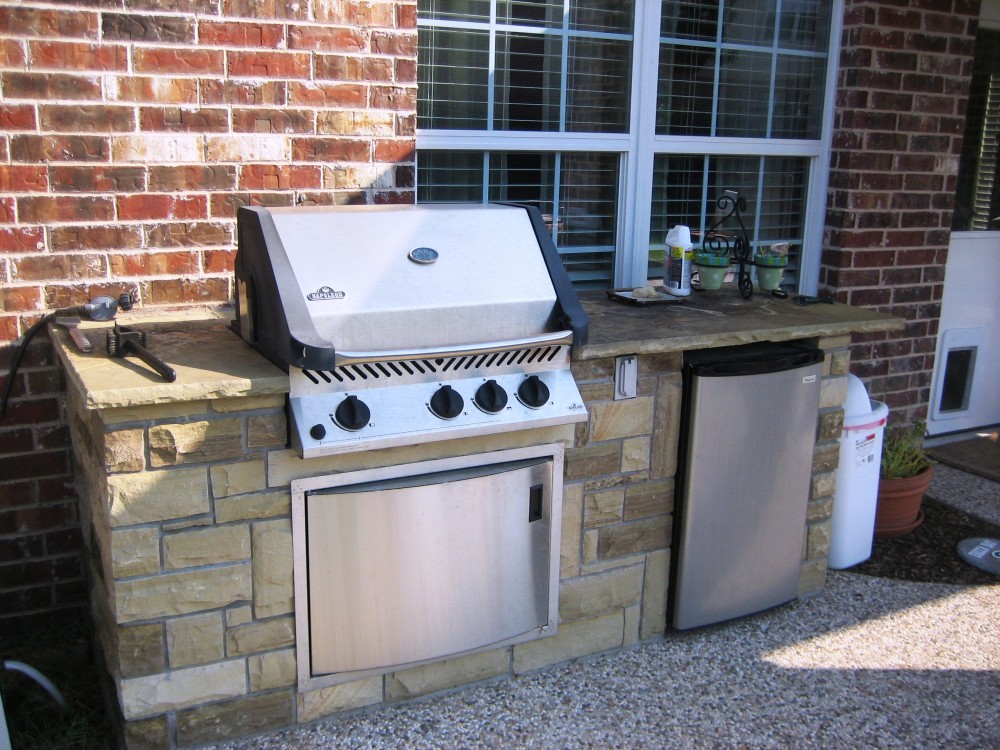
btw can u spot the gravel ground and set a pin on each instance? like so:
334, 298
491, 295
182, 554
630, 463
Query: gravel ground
870, 662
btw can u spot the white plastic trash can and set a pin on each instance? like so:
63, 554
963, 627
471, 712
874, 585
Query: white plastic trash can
853, 521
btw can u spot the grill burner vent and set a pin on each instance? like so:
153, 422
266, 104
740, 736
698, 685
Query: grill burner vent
411, 369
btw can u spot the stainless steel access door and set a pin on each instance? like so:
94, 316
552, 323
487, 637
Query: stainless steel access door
444, 560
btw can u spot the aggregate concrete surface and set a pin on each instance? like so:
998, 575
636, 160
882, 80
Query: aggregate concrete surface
869, 662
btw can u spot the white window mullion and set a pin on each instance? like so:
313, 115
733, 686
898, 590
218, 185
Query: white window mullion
636, 189
819, 170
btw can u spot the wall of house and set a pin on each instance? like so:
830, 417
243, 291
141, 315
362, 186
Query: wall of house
129, 135
899, 119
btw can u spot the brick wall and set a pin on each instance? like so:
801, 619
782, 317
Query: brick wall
899, 118
128, 137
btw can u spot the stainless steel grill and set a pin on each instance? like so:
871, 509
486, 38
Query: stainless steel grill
399, 324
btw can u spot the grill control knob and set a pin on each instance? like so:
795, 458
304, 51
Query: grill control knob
317, 432
533, 392
352, 414
447, 403
490, 397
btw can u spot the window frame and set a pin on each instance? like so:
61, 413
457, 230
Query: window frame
638, 147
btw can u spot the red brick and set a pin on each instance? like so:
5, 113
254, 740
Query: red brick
155, 89
394, 97
30, 412
905, 238
224, 205
350, 95
283, 177
406, 15
330, 149
142, 27
326, 39
173, 291
405, 71
273, 121
898, 19
36, 22
355, 13
147, 206
71, 266
78, 56
88, 118
95, 237
22, 239
183, 120
209, 177
395, 150
219, 261
17, 117
20, 298
234, 34
23, 546
944, 105
912, 201
256, 9
163, 60
394, 197
268, 64
12, 53
97, 179
402, 44
354, 68
189, 234
8, 329
7, 211
50, 86
260, 93
155, 264
47, 148
64, 208
23, 179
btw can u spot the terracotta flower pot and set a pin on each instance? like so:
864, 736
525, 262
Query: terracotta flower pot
897, 510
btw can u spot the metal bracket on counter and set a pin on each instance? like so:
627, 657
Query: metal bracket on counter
732, 205
123, 340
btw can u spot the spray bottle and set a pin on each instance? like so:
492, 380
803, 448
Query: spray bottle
677, 262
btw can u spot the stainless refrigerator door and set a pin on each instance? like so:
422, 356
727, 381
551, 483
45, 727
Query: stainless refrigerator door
747, 484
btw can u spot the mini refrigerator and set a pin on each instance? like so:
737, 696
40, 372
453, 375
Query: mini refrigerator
748, 427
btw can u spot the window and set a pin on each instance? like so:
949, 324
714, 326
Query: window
977, 200
620, 119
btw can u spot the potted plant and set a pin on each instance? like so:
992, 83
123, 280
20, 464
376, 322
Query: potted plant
771, 264
712, 269
904, 476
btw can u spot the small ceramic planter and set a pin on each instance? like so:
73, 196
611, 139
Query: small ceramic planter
712, 269
770, 269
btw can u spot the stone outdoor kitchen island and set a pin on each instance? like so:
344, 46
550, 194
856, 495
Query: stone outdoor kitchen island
185, 492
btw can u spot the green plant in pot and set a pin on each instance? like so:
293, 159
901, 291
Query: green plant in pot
771, 262
904, 476
712, 269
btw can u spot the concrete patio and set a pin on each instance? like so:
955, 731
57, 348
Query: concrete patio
869, 662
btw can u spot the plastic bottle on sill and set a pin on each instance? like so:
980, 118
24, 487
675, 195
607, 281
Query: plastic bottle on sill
677, 262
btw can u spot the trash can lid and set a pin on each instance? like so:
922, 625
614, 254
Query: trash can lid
857, 403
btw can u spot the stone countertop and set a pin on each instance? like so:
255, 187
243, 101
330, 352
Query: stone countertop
211, 362
705, 320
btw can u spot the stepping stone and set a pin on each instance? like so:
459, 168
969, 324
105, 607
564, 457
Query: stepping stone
982, 553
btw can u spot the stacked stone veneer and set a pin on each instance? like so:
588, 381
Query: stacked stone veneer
189, 516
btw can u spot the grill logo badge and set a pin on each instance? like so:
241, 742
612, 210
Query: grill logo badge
325, 292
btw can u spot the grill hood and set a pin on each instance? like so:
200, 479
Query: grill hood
321, 286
